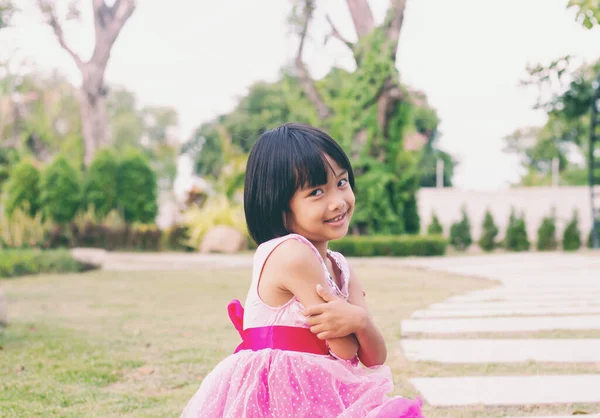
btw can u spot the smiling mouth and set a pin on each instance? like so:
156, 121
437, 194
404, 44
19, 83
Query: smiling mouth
337, 218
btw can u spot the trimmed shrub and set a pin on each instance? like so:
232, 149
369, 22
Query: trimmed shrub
100, 188
516, 233
137, 189
23, 262
487, 241
572, 235
23, 189
590, 241
546, 234
435, 227
61, 192
390, 245
460, 233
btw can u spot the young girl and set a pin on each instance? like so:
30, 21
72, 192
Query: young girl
299, 356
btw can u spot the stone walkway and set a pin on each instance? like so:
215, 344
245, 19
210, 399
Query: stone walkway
538, 292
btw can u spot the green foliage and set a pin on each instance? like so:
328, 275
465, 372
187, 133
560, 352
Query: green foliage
100, 188
516, 233
487, 241
435, 227
25, 262
546, 234
23, 231
137, 189
23, 189
61, 191
9, 157
590, 241
588, 12
391, 246
218, 210
572, 234
460, 233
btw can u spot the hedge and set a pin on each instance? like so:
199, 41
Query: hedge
390, 245
24, 262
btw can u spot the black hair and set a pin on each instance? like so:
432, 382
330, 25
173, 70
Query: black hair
283, 160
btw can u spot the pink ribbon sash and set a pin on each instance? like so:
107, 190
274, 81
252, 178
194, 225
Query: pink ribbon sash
277, 336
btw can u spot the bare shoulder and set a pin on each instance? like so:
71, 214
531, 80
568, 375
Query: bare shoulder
294, 255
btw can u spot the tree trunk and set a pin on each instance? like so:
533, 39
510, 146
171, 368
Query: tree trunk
108, 22
94, 121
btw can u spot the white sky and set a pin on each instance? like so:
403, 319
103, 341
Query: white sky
466, 55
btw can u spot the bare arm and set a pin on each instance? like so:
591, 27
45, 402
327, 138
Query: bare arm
302, 272
372, 349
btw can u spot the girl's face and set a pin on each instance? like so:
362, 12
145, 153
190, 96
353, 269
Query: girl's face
323, 213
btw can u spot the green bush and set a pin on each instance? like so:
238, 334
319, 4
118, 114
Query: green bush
572, 235
590, 241
390, 245
100, 188
412, 222
460, 233
546, 233
435, 227
23, 189
137, 189
23, 262
487, 241
516, 233
61, 191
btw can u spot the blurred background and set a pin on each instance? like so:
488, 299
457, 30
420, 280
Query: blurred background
125, 128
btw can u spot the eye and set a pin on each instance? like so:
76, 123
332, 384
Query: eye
342, 182
316, 192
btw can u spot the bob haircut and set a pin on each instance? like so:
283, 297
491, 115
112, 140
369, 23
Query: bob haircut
283, 160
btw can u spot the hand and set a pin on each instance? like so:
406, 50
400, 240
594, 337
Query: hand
335, 318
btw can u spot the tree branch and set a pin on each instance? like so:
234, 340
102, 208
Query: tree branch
108, 22
305, 81
393, 24
48, 10
362, 17
336, 34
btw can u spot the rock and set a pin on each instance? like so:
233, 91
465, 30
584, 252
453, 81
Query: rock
92, 256
223, 239
3, 309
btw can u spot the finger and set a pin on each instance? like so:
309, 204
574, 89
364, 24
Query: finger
314, 310
314, 320
317, 329
324, 294
323, 335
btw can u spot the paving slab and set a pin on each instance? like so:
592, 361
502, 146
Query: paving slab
519, 304
531, 296
565, 416
463, 313
502, 324
503, 350
509, 390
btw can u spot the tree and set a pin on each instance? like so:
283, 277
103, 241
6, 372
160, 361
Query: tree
572, 234
435, 227
23, 189
61, 191
136, 189
547, 234
567, 130
487, 241
100, 185
108, 23
7, 8
516, 233
460, 233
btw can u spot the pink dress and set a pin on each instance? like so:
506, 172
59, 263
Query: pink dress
291, 380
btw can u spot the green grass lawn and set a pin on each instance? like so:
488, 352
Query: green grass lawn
137, 344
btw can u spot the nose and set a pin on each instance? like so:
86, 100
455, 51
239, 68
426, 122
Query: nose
337, 204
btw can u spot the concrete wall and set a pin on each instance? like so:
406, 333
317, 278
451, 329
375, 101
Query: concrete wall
535, 202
